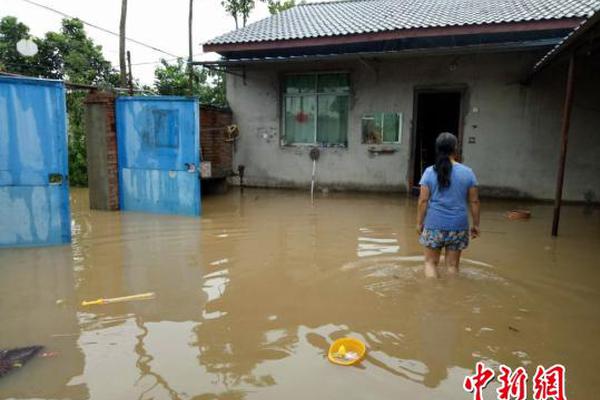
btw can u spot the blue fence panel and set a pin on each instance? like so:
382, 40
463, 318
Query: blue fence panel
34, 191
158, 142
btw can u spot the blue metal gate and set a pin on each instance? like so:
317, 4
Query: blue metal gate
34, 191
159, 154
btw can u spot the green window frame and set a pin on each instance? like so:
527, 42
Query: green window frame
315, 108
381, 128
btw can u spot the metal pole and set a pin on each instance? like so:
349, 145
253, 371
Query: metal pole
566, 121
130, 75
312, 182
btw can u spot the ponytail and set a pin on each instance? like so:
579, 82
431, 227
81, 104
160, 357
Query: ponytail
445, 146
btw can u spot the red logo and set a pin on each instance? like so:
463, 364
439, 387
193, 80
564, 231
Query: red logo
548, 383
476, 383
513, 385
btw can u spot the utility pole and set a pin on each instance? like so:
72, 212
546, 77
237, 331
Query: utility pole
190, 55
122, 65
130, 75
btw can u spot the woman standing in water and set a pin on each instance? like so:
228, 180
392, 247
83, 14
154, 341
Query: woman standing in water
442, 215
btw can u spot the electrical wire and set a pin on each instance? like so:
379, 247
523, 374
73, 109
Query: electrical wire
167, 60
99, 27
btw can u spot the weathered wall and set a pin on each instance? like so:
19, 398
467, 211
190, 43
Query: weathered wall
101, 142
516, 127
216, 145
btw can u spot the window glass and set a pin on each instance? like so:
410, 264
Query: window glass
296, 84
381, 128
315, 108
391, 127
300, 119
337, 83
332, 119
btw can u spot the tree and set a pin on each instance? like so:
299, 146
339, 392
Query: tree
11, 31
245, 7
237, 8
232, 7
70, 55
172, 79
277, 6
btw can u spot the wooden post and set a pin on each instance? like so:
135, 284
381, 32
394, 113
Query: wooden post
130, 77
566, 121
122, 66
190, 55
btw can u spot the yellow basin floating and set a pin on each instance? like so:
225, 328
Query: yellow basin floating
346, 351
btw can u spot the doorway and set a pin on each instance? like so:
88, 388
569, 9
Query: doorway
436, 111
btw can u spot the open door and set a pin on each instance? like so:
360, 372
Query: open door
158, 144
436, 111
34, 189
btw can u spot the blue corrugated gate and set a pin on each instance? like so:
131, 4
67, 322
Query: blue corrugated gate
34, 191
158, 154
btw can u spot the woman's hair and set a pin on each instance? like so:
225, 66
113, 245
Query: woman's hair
445, 146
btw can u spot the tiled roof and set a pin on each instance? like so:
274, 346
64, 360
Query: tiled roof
346, 17
571, 37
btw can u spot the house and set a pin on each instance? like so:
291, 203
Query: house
371, 83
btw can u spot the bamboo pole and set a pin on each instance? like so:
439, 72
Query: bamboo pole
101, 301
566, 122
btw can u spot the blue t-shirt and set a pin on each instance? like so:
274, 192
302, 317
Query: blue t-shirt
447, 209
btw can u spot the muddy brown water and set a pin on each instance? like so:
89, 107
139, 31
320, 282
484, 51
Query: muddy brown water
250, 295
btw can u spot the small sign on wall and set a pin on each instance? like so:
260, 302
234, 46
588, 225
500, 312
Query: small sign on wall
205, 169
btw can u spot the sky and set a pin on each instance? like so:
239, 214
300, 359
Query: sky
162, 24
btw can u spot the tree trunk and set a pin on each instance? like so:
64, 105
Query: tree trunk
122, 61
235, 18
190, 55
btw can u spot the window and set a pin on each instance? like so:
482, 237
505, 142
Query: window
378, 128
161, 128
315, 109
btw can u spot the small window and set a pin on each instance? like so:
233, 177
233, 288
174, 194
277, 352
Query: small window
161, 129
315, 109
381, 128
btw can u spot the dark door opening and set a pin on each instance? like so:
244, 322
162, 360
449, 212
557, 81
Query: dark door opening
436, 112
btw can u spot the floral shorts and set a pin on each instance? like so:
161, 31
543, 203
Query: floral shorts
437, 239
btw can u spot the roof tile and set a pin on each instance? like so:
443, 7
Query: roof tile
346, 17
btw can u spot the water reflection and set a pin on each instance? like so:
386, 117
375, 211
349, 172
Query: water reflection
250, 296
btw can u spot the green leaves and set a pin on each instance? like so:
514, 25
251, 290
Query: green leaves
173, 79
237, 8
277, 6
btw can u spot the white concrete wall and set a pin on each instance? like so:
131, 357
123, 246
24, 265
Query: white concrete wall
517, 128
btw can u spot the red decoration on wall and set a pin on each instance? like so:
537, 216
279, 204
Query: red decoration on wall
302, 117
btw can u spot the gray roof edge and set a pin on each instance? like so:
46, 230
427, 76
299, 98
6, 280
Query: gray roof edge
476, 48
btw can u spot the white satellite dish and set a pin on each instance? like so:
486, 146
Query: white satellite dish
27, 47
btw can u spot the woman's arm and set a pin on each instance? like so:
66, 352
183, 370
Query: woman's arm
422, 207
474, 207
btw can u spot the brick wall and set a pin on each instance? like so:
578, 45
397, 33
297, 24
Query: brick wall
103, 173
215, 143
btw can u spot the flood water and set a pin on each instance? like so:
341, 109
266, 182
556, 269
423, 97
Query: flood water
249, 296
